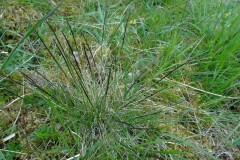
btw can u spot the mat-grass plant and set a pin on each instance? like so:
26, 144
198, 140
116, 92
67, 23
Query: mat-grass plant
108, 88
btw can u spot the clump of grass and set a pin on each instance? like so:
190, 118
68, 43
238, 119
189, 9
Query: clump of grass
96, 106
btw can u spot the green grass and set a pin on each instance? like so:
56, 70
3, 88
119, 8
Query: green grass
120, 80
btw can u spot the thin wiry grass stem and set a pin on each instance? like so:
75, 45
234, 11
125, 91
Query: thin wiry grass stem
107, 86
69, 98
51, 54
154, 93
33, 83
76, 63
125, 31
103, 29
67, 63
88, 61
89, 49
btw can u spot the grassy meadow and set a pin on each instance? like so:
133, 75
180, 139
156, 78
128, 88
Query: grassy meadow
131, 79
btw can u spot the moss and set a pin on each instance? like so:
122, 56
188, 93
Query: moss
16, 16
39, 5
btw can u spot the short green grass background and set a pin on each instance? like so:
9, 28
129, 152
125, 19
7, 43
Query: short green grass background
164, 82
